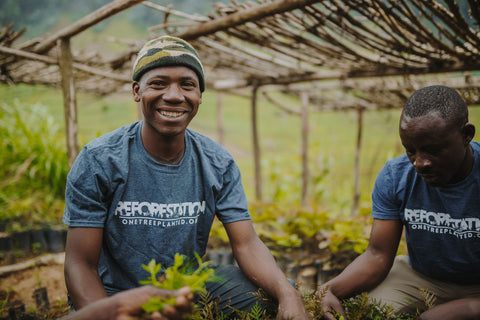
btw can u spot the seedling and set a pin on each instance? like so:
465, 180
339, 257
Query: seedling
182, 273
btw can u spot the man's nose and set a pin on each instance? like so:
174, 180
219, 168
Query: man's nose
421, 161
173, 93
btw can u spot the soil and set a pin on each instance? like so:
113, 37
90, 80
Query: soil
34, 272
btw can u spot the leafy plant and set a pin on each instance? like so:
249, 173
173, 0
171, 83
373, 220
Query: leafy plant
38, 281
181, 273
33, 166
5, 296
33, 146
428, 297
359, 307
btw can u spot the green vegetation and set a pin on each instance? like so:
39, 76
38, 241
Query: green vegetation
185, 273
34, 162
33, 168
193, 274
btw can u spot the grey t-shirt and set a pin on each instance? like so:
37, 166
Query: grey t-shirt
149, 210
442, 224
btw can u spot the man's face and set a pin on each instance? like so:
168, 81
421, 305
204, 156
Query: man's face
170, 97
436, 149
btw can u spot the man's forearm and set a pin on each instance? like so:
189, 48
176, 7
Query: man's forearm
363, 274
84, 286
102, 309
461, 309
260, 267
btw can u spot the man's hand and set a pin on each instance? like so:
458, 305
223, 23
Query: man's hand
293, 309
330, 303
129, 303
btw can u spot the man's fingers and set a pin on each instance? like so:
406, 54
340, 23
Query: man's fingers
185, 292
184, 297
329, 316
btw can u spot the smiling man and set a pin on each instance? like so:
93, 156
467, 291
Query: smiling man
432, 193
152, 189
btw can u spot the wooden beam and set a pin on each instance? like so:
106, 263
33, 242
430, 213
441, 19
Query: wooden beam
380, 72
86, 22
75, 65
243, 16
177, 13
281, 105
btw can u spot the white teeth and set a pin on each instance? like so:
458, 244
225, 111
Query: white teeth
171, 114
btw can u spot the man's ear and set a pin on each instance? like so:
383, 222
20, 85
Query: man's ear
135, 91
468, 132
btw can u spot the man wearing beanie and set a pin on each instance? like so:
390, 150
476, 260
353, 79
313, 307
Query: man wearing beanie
152, 189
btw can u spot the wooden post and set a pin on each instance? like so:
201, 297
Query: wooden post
69, 98
356, 173
305, 128
256, 146
220, 126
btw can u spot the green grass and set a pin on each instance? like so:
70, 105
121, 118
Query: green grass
331, 141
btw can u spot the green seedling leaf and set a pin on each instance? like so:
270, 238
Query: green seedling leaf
193, 274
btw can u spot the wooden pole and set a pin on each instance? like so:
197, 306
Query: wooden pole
256, 146
220, 126
305, 128
69, 98
356, 173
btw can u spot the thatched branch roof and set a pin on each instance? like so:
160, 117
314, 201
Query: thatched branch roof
283, 42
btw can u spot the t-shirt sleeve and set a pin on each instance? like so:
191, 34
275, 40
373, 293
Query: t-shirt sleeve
385, 204
231, 204
85, 193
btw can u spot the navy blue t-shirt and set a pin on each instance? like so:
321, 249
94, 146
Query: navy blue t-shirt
442, 224
150, 210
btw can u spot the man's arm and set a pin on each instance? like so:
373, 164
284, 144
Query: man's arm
367, 270
461, 309
82, 253
127, 305
258, 264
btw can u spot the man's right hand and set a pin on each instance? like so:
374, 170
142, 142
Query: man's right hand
329, 304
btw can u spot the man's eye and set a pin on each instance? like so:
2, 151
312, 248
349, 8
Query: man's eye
433, 151
188, 84
158, 83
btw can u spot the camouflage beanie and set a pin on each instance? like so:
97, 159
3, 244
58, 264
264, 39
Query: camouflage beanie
168, 51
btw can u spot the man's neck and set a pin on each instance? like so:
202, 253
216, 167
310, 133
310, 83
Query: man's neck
164, 149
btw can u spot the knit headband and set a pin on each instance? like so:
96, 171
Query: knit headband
168, 51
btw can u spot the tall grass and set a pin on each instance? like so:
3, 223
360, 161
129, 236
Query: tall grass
34, 165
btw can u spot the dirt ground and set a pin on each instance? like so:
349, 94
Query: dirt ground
42, 271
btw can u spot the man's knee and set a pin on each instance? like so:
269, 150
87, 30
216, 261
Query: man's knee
233, 290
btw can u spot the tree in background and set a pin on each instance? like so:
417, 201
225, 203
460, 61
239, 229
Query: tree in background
40, 16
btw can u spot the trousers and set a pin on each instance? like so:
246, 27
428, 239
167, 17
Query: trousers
234, 290
407, 289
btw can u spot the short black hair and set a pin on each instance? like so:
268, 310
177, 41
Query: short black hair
444, 100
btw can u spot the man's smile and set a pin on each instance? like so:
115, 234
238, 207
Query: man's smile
171, 114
